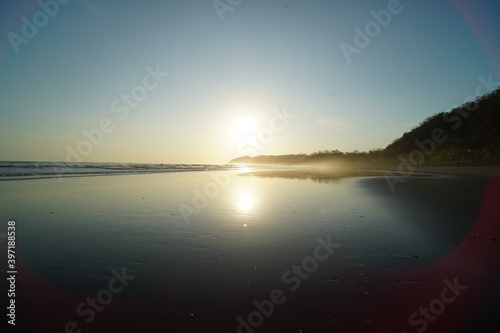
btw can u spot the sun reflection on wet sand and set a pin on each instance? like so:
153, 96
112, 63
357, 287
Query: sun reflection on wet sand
243, 169
245, 202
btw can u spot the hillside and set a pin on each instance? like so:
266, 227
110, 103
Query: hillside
469, 133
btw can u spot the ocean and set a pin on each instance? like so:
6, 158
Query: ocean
18, 170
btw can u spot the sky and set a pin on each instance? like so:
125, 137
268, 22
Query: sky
205, 81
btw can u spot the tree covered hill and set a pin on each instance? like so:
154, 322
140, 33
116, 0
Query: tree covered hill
469, 133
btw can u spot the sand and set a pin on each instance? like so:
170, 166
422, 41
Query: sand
397, 251
457, 207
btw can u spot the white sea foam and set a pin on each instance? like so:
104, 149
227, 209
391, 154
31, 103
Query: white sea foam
29, 170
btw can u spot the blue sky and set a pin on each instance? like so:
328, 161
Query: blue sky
227, 78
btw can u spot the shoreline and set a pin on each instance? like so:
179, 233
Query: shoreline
378, 171
462, 170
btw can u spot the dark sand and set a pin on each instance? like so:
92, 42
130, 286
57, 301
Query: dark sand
459, 208
396, 249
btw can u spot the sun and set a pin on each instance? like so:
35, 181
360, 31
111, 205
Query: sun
243, 122
243, 128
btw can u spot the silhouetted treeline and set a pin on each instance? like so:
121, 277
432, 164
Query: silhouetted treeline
469, 133
325, 156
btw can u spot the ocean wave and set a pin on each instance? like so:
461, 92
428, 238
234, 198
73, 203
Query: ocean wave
28, 170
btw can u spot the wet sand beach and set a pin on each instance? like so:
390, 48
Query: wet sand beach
261, 252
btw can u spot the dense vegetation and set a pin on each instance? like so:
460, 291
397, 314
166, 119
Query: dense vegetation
469, 133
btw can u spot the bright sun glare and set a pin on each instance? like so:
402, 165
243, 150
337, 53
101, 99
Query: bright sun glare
244, 128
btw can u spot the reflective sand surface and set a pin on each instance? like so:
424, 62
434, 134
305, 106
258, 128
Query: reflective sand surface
234, 241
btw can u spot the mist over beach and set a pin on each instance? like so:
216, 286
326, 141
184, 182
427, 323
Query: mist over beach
250, 166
